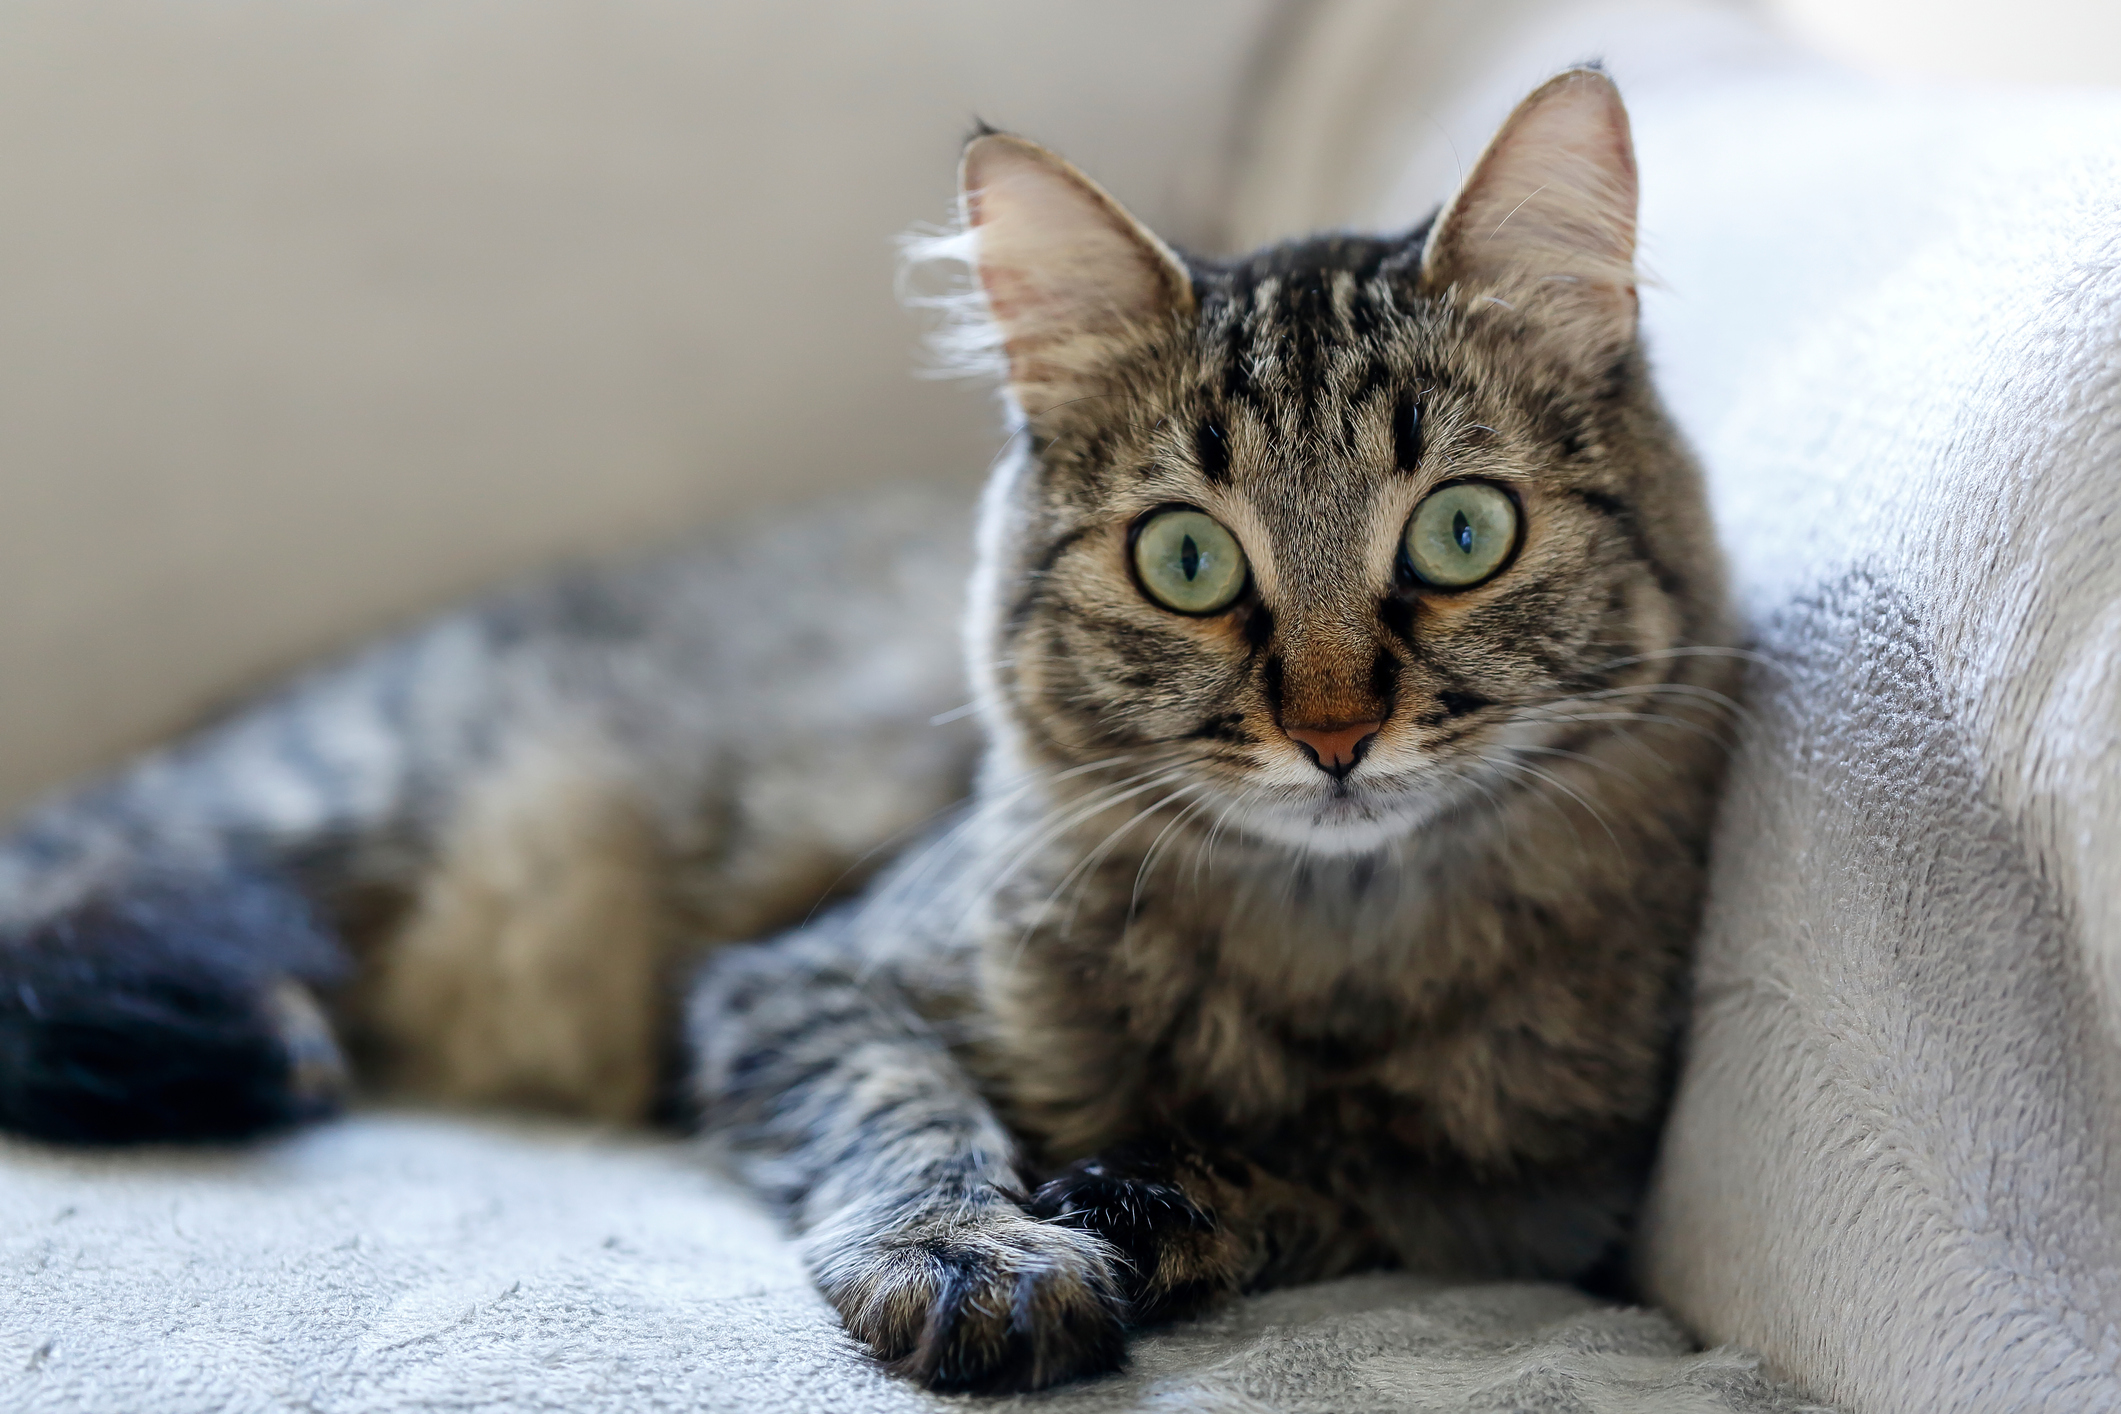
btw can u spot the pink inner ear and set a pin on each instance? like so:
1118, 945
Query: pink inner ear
1553, 196
1059, 261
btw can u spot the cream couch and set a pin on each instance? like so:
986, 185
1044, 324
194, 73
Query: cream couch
313, 314
320, 312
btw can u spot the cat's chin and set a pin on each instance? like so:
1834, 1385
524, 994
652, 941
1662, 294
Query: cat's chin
1338, 826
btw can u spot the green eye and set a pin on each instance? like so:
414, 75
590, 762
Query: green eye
1461, 534
1188, 563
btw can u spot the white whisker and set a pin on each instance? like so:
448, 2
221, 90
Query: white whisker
1091, 859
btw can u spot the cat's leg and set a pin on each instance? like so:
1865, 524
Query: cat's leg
170, 981
162, 951
510, 816
900, 1180
1198, 1224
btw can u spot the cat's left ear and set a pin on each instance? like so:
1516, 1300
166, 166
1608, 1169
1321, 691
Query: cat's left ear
1546, 221
1069, 275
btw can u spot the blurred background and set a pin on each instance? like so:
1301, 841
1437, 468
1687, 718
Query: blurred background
316, 313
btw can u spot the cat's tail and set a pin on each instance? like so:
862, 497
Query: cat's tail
173, 1007
164, 939
516, 815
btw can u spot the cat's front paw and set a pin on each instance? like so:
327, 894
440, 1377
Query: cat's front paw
989, 1300
1180, 1258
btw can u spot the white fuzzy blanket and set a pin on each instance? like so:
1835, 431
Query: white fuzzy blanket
401, 1262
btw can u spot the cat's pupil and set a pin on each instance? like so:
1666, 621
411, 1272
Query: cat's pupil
1189, 558
1461, 532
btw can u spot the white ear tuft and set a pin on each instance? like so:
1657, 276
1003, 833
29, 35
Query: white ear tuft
1068, 274
1546, 222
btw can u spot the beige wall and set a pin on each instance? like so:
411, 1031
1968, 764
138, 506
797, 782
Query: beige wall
316, 312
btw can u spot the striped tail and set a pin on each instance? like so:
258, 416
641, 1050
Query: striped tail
170, 1008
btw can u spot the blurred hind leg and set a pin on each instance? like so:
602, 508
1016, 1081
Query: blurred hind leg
530, 969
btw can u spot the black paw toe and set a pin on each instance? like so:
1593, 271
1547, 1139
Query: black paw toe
1123, 1211
1170, 1244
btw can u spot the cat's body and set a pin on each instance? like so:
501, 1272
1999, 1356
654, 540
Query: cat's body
1189, 1006
1345, 636
492, 844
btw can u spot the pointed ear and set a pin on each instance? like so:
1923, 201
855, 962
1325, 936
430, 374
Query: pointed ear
1067, 272
1546, 222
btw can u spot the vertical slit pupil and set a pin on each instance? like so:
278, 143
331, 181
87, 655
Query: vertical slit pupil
1461, 532
1189, 558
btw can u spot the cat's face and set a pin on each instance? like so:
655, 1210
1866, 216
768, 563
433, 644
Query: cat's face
1324, 542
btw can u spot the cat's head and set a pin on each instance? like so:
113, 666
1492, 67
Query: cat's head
1323, 540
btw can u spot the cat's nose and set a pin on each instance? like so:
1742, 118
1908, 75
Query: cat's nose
1335, 750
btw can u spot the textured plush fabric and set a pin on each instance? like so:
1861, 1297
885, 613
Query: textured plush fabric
1896, 1162
395, 1263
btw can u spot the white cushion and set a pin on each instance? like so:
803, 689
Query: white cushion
398, 1262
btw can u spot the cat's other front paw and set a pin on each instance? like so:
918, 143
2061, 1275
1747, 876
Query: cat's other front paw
991, 1300
1180, 1257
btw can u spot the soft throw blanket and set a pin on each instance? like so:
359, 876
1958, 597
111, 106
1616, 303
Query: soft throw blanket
397, 1262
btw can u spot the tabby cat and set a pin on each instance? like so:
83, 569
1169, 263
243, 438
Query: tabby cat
1344, 635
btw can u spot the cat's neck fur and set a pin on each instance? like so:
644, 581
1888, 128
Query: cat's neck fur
1254, 980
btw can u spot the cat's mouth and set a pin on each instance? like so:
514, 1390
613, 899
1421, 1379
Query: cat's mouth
1351, 815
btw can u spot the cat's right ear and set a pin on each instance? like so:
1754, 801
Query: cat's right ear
1546, 222
1070, 277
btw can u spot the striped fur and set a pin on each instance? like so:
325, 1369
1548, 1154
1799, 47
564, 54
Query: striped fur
1175, 1013
522, 821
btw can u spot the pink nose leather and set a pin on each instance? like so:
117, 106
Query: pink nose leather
1335, 749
